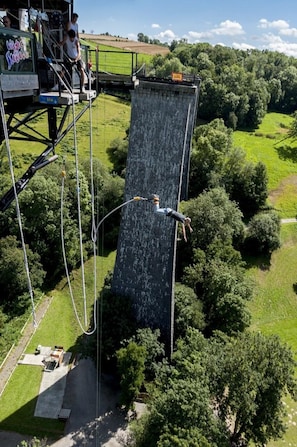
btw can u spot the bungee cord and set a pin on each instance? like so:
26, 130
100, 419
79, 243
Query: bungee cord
18, 211
136, 198
80, 232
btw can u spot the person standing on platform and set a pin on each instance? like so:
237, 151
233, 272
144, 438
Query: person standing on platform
73, 24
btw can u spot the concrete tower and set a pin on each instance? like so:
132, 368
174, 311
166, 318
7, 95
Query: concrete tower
162, 121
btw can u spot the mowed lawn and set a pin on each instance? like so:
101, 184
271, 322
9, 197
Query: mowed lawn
274, 309
108, 118
58, 327
269, 145
274, 305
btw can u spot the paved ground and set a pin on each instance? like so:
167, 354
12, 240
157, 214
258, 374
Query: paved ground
94, 420
51, 391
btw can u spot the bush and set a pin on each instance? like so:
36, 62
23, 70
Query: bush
263, 234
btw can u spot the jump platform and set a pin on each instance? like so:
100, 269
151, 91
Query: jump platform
65, 98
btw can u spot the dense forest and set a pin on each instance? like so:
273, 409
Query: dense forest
237, 86
224, 384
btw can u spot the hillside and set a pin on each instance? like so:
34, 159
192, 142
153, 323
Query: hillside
126, 44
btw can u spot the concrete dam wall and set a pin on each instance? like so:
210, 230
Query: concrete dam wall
163, 116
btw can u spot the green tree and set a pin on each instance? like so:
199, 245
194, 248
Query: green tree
154, 349
117, 154
251, 375
142, 38
179, 437
180, 402
118, 324
170, 65
245, 182
188, 310
215, 219
109, 197
292, 132
13, 278
288, 78
224, 291
263, 233
211, 144
41, 208
131, 362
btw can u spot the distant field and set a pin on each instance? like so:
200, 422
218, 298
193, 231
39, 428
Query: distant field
125, 44
119, 55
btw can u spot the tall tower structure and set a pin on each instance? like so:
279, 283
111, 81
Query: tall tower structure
163, 116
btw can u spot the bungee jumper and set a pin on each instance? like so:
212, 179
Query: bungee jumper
169, 212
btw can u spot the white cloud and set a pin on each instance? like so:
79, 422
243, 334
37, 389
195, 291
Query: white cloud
228, 28
276, 24
273, 42
167, 35
290, 32
198, 36
132, 36
155, 25
242, 46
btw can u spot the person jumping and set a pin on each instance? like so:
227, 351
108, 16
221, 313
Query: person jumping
169, 212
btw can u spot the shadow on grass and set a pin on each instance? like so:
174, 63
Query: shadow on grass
287, 153
93, 404
295, 287
262, 262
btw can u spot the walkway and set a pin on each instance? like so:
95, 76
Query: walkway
11, 361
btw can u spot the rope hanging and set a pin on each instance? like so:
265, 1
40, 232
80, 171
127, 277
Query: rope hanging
80, 230
18, 212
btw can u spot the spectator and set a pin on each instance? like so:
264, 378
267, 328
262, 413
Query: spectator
73, 24
73, 57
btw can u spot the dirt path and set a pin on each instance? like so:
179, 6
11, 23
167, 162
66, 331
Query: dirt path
11, 361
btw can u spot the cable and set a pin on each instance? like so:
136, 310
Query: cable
136, 198
184, 152
65, 259
4, 123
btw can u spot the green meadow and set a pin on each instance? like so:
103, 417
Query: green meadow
59, 326
115, 60
274, 305
269, 145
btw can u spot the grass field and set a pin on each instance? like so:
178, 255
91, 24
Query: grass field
114, 59
268, 145
58, 327
110, 118
274, 306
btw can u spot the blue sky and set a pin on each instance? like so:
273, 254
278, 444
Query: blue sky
239, 24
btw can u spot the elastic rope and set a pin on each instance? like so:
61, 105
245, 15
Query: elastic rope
18, 210
79, 214
65, 261
94, 235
